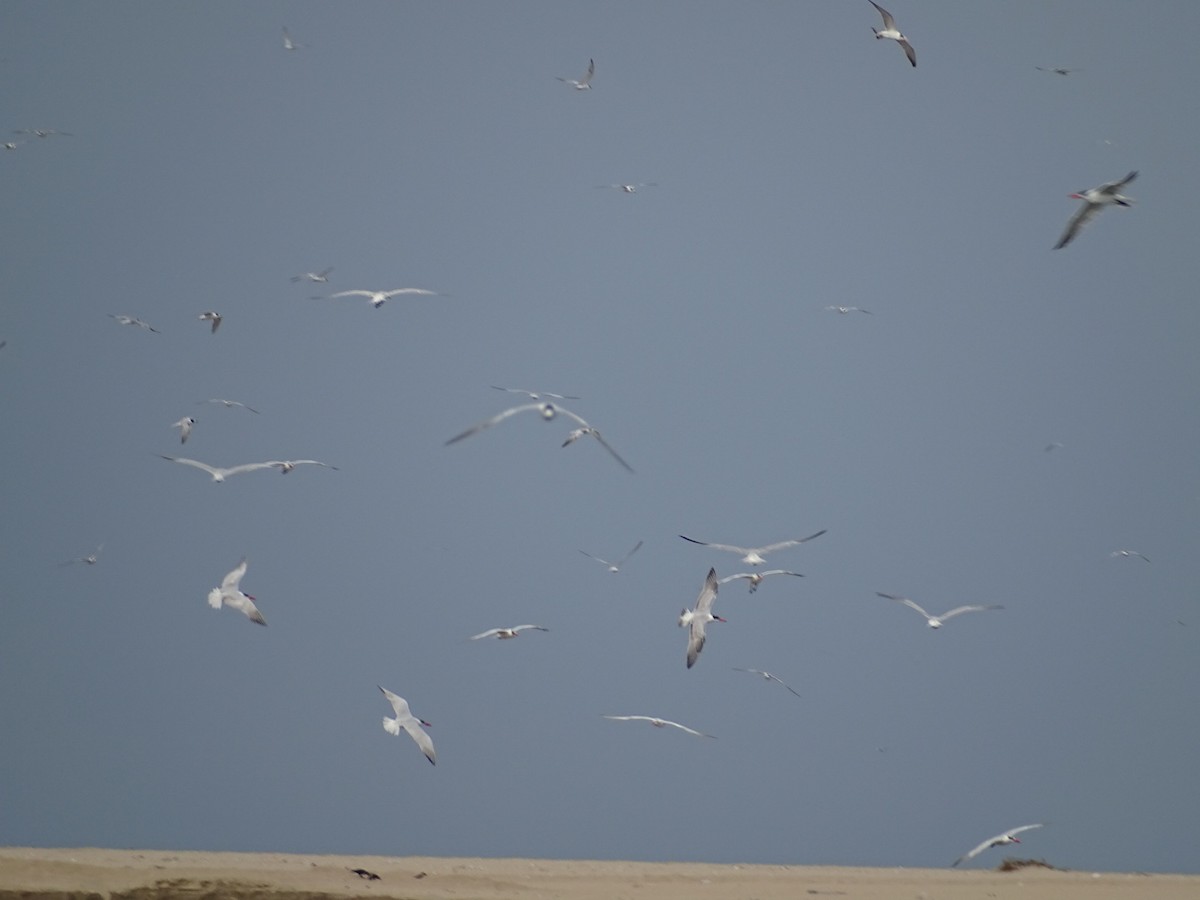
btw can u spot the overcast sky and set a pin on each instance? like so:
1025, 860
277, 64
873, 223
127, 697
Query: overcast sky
793, 163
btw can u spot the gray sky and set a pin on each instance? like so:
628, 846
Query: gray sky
799, 164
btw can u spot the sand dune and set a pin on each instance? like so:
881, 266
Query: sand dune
150, 874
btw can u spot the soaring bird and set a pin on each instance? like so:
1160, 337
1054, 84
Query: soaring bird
1094, 200
317, 277
697, 618
754, 555
504, 633
1008, 837
659, 723
90, 560
584, 83
410, 723
614, 567
214, 317
231, 595
378, 298
132, 320
891, 32
767, 676
185, 428
756, 578
931, 620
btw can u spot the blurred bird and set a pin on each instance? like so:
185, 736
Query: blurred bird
1008, 837
229, 404
231, 595
286, 465
410, 723
767, 676
936, 621
629, 188
658, 723
614, 567
1094, 200
849, 309
534, 395
288, 43
505, 633
1129, 554
218, 473
214, 317
130, 320
90, 560
754, 555
12, 145
891, 32
756, 578
185, 428
378, 298
1056, 70
319, 277
41, 132
697, 618
584, 83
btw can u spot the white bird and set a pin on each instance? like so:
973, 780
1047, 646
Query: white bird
891, 32
697, 618
231, 595
410, 723
214, 317
288, 43
767, 676
1008, 837
41, 132
505, 633
849, 309
185, 428
218, 473
89, 560
659, 723
614, 567
756, 578
936, 621
318, 277
1056, 70
1129, 554
286, 465
1094, 200
229, 404
629, 188
547, 411
378, 298
584, 83
585, 430
754, 555
131, 320
534, 395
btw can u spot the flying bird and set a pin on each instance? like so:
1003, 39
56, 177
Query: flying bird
756, 578
584, 83
547, 411
1008, 837
378, 298
767, 676
41, 132
1056, 70
410, 723
659, 723
585, 430
214, 317
1129, 554
185, 428
614, 567
218, 473
231, 595
936, 621
363, 873
849, 309
697, 618
286, 465
89, 560
754, 555
1094, 200
505, 633
12, 145
131, 320
318, 277
288, 43
534, 395
629, 188
891, 32
229, 404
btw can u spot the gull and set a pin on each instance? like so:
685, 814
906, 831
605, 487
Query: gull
231, 595
754, 555
584, 83
185, 428
218, 473
756, 578
535, 395
378, 298
229, 404
849, 309
505, 633
410, 723
629, 188
286, 465
767, 676
698, 617
130, 320
214, 317
659, 723
1129, 554
614, 567
90, 560
1056, 70
319, 277
288, 43
1008, 837
41, 132
1094, 200
936, 621
891, 32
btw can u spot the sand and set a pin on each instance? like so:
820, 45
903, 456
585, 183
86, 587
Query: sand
146, 874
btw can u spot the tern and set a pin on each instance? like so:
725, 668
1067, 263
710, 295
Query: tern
90, 560
659, 723
1008, 837
614, 567
754, 555
584, 83
936, 621
1056, 70
41, 132
626, 188
286, 465
534, 395
1129, 554
229, 404
767, 676
214, 317
231, 595
131, 320
547, 411
318, 277
756, 578
849, 309
378, 298
505, 633
891, 32
1094, 200
410, 723
185, 428
288, 43
697, 618
218, 473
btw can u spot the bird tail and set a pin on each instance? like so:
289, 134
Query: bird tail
391, 726
214, 598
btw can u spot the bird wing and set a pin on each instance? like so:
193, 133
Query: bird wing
625, 558
1114, 187
211, 470
1082, 216
597, 559
1013, 831
729, 578
603, 443
483, 634
519, 628
250, 467
399, 291
696, 640
905, 601
591, 70
729, 547
627, 718
959, 610
424, 741
909, 52
231, 581
280, 463
889, 23
685, 728
973, 853
245, 605
399, 704
494, 420
780, 572
352, 294
708, 593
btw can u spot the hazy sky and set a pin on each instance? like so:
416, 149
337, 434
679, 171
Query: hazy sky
798, 163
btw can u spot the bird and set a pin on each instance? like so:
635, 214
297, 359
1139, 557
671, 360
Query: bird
535, 395
12, 145
585, 430
218, 473
614, 567
410, 723
659, 723
584, 83
363, 873
288, 43
185, 428
229, 404
90, 560
891, 32
1008, 837
849, 309
767, 676
548, 411
1056, 70
1094, 200
131, 320
214, 317
629, 188
936, 621
231, 595
756, 578
754, 555
286, 465
41, 132
1128, 554
318, 277
378, 298
505, 633
697, 618
1052, 446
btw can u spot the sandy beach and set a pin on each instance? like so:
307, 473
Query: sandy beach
144, 874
